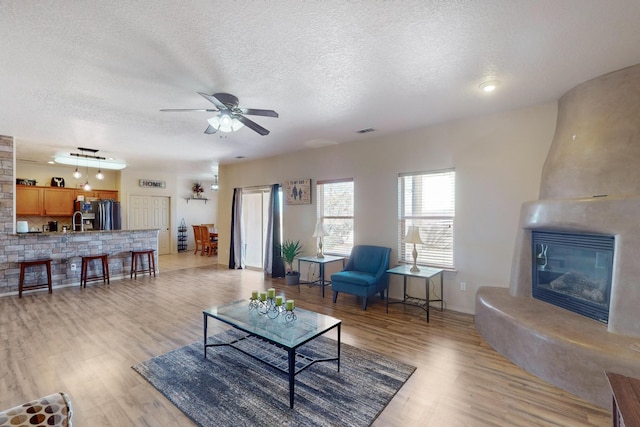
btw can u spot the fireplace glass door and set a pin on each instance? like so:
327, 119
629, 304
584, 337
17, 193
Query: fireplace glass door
573, 271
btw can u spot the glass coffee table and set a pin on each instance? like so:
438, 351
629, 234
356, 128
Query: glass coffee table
276, 341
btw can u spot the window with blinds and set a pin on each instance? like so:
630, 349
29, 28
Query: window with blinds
335, 210
427, 200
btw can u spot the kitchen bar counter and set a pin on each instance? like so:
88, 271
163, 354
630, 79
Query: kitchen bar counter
58, 233
66, 250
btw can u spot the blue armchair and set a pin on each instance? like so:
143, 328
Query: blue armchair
365, 273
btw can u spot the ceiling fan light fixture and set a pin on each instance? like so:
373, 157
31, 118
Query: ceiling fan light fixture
225, 122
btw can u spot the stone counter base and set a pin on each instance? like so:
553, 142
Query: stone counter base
66, 249
563, 348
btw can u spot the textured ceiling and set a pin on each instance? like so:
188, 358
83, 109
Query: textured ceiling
96, 73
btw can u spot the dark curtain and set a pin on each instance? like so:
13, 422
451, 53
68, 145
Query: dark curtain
277, 268
232, 253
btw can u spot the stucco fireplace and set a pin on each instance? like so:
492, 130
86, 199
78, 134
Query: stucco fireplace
590, 185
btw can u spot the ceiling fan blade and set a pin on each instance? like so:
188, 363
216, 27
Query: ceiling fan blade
210, 130
252, 125
215, 101
258, 112
173, 110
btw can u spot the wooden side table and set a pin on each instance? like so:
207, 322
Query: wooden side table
625, 410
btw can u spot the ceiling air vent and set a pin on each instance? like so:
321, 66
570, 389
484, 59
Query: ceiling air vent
366, 130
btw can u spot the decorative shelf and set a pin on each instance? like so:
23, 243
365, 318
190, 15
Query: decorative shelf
197, 198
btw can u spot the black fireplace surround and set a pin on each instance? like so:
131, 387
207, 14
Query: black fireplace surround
573, 271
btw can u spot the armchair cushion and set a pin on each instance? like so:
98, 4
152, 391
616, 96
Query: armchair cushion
52, 410
365, 273
357, 278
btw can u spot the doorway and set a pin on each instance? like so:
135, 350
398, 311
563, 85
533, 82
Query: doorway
255, 215
147, 212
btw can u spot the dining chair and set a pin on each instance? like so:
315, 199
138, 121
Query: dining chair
213, 237
198, 238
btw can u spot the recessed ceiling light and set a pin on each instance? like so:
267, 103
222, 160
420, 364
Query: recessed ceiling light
490, 85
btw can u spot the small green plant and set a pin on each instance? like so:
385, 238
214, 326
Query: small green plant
290, 250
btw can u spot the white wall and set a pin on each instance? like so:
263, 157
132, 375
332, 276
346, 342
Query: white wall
498, 161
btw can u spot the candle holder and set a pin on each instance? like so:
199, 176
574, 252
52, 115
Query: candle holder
270, 309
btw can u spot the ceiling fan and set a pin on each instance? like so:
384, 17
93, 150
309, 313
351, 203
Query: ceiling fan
230, 117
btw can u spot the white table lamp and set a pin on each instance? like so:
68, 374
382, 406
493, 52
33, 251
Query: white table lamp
320, 232
413, 236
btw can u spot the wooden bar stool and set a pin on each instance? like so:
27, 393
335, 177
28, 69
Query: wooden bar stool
104, 259
151, 262
25, 264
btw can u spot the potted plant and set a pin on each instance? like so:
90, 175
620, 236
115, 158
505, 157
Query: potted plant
290, 250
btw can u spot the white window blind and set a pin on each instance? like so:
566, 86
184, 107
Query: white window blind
427, 200
335, 210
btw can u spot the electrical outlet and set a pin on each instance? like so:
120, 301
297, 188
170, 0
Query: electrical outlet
463, 286
73, 267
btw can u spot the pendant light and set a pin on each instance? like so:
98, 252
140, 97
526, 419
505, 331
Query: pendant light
77, 174
99, 175
87, 186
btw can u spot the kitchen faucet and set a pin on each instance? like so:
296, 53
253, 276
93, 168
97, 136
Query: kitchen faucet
73, 221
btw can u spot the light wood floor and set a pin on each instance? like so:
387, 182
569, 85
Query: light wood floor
84, 342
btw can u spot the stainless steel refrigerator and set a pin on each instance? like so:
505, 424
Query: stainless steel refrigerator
107, 215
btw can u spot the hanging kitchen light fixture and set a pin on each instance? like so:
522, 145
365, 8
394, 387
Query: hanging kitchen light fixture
90, 160
77, 174
99, 175
87, 186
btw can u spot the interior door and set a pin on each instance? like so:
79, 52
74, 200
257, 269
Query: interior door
160, 219
147, 212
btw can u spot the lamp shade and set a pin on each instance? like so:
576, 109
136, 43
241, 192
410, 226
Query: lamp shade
320, 230
413, 236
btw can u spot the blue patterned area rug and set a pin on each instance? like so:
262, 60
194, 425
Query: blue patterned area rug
232, 389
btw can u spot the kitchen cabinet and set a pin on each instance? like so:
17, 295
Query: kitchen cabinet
97, 194
107, 194
86, 194
28, 200
53, 201
58, 202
